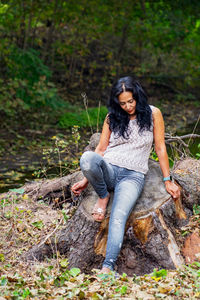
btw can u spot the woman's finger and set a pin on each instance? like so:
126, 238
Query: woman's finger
75, 185
76, 192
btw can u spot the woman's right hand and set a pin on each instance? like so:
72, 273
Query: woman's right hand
79, 186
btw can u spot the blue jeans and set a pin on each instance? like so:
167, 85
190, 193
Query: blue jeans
127, 186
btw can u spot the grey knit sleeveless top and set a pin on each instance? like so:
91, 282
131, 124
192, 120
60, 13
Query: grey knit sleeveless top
132, 153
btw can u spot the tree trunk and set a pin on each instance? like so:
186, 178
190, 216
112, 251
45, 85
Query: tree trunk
21, 36
28, 29
152, 236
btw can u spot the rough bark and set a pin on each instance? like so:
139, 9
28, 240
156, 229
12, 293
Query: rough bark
152, 230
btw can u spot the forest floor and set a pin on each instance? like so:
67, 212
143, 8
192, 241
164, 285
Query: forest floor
25, 223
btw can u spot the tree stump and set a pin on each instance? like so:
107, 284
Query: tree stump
152, 231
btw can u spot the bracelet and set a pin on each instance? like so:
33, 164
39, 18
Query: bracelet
167, 178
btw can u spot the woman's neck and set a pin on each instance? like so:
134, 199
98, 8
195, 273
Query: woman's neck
132, 117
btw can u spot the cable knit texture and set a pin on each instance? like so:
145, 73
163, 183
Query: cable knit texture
132, 153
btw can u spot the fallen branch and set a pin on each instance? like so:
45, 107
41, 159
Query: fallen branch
169, 138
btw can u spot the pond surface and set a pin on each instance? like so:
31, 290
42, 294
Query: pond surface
28, 162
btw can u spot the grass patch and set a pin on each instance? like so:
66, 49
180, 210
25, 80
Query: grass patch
80, 118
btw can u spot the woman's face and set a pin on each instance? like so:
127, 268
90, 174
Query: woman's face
127, 102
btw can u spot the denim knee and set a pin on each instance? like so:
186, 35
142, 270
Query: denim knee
86, 160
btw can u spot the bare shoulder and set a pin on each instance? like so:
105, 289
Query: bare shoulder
155, 110
156, 113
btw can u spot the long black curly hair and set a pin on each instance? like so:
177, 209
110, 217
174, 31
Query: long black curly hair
118, 119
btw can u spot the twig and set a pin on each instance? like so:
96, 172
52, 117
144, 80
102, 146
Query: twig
99, 107
194, 128
170, 139
177, 144
176, 139
85, 101
49, 235
182, 137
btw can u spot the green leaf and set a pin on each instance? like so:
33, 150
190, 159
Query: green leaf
160, 273
123, 289
38, 224
2, 257
74, 272
4, 281
197, 264
26, 293
19, 191
96, 296
64, 263
81, 295
65, 216
196, 209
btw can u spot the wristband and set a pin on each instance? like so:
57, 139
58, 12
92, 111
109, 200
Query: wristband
167, 178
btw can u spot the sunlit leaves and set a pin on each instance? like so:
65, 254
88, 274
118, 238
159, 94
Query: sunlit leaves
64, 263
159, 273
74, 272
18, 191
196, 209
38, 224
2, 257
3, 281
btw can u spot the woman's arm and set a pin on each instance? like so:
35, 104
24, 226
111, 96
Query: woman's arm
160, 148
104, 139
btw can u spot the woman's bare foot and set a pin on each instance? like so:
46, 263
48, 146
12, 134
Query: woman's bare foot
105, 270
99, 210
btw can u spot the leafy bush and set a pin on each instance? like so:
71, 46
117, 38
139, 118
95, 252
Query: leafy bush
26, 83
26, 65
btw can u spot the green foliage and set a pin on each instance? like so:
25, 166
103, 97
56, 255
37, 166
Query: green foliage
20, 96
155, 39
194, 270
196, 209
61, 157
74, 272
26, 84
2, 257
198, 153
18, 191
122, 289
38, 224
64, 263
153, 155
65, 216
76, 135
80, 118
26, 65
159, 273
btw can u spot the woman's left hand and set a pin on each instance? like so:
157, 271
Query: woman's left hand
173, 189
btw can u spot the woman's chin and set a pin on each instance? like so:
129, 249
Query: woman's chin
131, 113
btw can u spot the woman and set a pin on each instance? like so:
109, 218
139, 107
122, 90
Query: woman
120, 160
